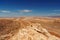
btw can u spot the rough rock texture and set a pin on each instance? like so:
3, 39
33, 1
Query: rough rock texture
35, 32
14, 30
8, 28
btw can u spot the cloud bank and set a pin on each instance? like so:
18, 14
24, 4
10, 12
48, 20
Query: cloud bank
56, 10
15, 13
5, 11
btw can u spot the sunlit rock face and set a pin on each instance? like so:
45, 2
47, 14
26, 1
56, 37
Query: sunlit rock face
17, 29
34, 32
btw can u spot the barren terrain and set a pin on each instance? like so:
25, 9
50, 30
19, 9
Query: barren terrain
30, 28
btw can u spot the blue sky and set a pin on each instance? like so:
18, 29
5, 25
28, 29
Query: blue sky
12, 8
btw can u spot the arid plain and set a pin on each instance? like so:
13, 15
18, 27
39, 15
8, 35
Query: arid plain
11, 26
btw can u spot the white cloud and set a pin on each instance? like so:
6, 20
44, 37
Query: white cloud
15, 13
5, 11
26, 11
56, 10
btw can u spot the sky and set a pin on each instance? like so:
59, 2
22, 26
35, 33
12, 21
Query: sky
17, 8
